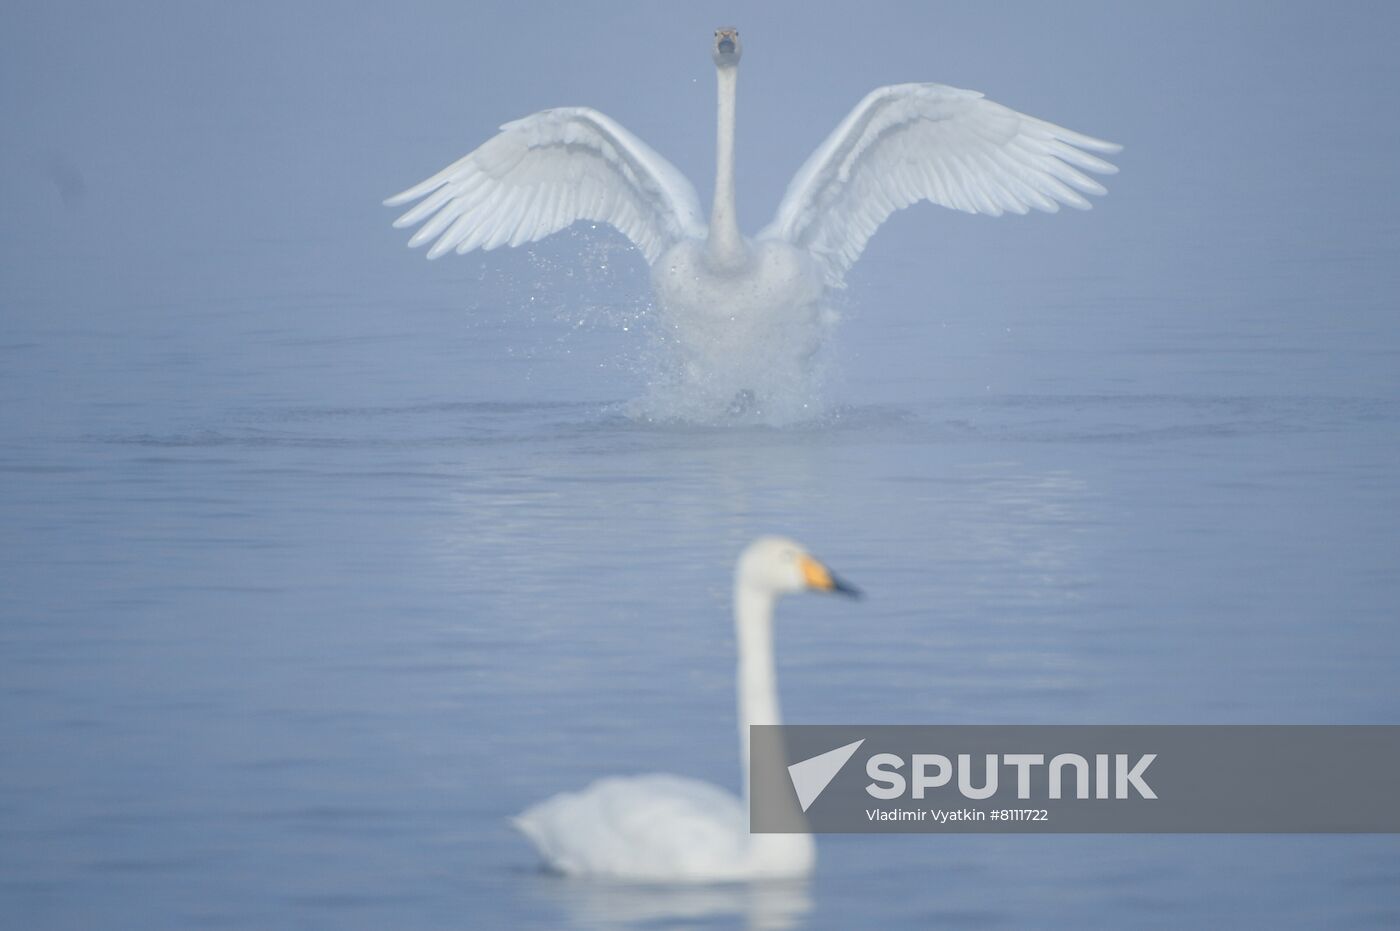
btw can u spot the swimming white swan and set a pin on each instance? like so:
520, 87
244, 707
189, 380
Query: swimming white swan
720, 292
661, 828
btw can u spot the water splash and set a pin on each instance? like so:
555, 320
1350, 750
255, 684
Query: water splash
718, 363
772, 372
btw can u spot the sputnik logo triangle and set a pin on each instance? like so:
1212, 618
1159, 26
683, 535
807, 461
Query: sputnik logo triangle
811, 776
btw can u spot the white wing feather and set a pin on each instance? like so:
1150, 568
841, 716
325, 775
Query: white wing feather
543, 173
912, 142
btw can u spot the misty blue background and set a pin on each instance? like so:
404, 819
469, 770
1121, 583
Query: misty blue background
318, 561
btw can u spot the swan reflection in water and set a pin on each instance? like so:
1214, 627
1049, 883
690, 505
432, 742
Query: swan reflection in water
773, 905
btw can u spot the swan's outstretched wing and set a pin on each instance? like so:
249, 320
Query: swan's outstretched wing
913, 142
544, 172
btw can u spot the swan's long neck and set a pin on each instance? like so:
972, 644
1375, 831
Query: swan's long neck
726, 247
777, 854
758, 678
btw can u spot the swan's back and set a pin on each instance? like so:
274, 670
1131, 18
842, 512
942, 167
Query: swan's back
650, 828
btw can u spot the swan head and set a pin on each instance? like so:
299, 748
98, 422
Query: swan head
727, 48
779, 566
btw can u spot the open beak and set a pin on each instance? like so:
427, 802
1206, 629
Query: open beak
820, 578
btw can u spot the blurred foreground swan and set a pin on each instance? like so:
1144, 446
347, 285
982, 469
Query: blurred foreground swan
662, 828
718, 291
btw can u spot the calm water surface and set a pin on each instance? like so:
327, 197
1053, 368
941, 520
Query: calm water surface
275, 654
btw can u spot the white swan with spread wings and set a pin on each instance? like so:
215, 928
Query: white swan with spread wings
720, 291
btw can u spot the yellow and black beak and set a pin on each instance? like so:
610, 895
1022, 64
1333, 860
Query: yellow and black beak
820, 578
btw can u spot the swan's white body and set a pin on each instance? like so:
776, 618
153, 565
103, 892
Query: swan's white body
715, 287
661, 828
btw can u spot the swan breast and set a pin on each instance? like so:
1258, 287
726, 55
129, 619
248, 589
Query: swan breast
776, 276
